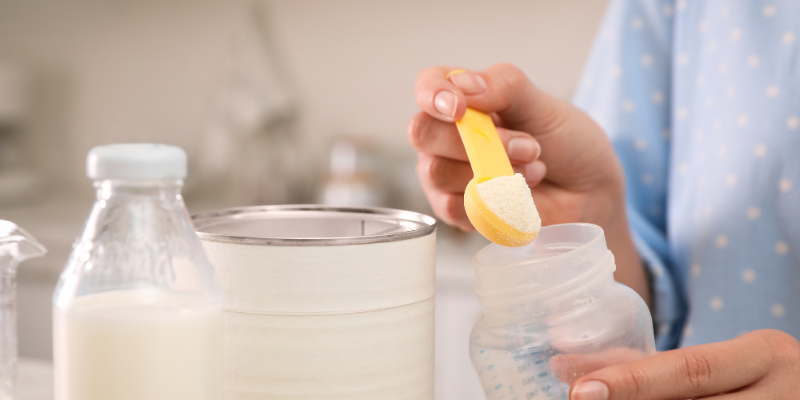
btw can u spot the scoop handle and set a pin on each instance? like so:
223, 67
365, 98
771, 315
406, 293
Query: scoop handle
485, 150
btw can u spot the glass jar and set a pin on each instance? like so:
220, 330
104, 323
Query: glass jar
137, 311
553, 313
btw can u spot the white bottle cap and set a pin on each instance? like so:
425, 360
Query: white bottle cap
136, 161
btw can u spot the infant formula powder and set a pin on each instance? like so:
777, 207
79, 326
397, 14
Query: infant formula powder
509, 197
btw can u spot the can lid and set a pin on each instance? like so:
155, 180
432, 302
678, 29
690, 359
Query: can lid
136, 161
311, 225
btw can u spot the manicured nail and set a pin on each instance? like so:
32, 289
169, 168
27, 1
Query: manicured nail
445, 102
590, 390
468, 82
523, 149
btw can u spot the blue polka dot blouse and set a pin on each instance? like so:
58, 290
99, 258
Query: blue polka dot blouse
701, 99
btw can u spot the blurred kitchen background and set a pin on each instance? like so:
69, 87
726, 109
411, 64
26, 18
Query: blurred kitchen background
301, 101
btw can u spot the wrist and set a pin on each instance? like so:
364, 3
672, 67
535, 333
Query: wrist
630, 268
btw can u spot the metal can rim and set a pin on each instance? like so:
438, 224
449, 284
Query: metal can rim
201, 220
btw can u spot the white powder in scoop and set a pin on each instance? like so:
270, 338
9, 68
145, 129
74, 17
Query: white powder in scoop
509, 197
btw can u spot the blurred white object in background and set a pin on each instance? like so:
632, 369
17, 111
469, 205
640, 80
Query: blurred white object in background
17, 182
353, 176
248, 147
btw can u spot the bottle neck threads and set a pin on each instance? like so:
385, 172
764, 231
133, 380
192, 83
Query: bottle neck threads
565, 266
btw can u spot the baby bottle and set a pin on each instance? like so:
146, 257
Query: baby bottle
137, 311
553, 313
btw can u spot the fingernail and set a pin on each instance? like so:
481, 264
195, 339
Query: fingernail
523, 149
445, 102
468, 82
590, 390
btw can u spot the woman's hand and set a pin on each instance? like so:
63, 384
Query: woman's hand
564, 155
580, 162
763, 364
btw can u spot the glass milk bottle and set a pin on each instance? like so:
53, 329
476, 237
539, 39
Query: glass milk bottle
137, 311
553, 313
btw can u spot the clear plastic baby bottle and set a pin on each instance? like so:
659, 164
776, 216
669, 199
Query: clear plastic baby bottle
137, 311
553, 313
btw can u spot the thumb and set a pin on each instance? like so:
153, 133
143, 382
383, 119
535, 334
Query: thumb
518, 103
680, 374
577, 153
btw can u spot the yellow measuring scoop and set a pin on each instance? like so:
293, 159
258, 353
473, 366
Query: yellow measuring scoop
489, 160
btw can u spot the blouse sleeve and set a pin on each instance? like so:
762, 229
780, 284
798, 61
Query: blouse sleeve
626, 88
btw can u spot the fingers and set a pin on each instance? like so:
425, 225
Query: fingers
443, 174
449, 207
438, 96
534, 172
444, 93
520, 146
579, 155
444, 181
569, 367
686, 373
431, 136
452, 176
517, 101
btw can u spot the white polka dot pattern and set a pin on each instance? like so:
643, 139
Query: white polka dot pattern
637, 23
647, 60
717, 303
658, 97
703, 106
773, 91
748, 276
760, 150
778, 310
741, 120
793, 122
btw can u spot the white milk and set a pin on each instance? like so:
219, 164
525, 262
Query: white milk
138, 345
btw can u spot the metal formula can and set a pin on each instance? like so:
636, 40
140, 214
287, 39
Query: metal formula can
324, 302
